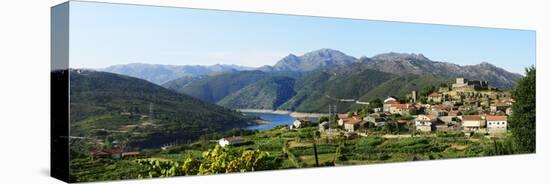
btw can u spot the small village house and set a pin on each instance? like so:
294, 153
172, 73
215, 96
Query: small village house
454, 113
297, 123
496, 124
234, 140
425, 123
439, 110
402, 109
388, 102
435, 97
352, 124
376, 119
113, 153
499, 107
342, 118
443, 127
447, 123
447, 119
473, 123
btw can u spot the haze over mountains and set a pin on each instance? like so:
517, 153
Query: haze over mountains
309, 82
159, 74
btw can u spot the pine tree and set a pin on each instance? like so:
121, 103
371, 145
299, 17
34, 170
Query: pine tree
523, 119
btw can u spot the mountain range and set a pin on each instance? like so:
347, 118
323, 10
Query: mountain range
311, 81
160, 74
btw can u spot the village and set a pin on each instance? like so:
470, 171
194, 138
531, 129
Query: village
468, 106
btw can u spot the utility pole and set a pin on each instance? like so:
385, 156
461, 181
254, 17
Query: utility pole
151, 111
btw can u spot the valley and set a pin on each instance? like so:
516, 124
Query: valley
323, 108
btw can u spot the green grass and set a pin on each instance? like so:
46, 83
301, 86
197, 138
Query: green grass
361, 150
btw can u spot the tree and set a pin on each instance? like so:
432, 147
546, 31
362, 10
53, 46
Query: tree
523, 119
350, 114
427, 90
323, 119
376, 103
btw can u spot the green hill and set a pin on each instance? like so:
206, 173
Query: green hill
318, 89
118, 107
212, 89
268, 93
403, 85
181, 82
215, 88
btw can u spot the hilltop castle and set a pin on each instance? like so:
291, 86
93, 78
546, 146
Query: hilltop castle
463, 84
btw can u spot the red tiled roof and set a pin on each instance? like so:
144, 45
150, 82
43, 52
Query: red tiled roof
471, 118
435, 94
343, 116
426, 118
431, 117
496, 118
132, 153
106, 151
454, 113
353, 121
402, 106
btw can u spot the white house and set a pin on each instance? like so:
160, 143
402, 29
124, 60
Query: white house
435, 97
297, 123
425, 123
235, 140
473, 123
376, 119
352, 124
342, 118
497, 124
388, 103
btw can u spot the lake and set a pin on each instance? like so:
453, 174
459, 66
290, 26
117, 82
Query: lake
275, 119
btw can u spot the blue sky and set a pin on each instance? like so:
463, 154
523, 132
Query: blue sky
103, 34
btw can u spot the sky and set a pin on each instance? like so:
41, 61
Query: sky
103, 34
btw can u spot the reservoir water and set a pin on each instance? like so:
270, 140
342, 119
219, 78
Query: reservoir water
274, 119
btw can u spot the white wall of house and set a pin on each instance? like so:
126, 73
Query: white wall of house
223, 142
297, 123
340, 122
350, 127
497, 126
424, 128
473, 123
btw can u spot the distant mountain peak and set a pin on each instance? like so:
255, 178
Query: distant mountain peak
401, 56
485, 63
161, 73
326, 50
290, 56
311, 60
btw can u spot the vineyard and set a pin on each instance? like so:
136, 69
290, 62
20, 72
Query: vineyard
281, 148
